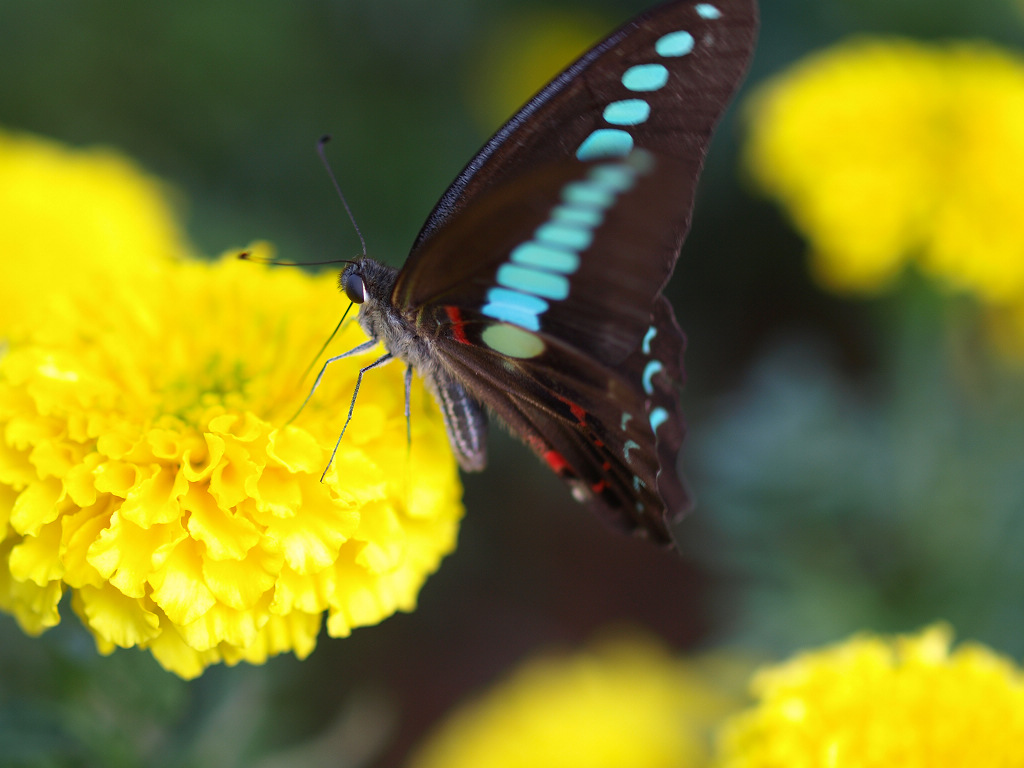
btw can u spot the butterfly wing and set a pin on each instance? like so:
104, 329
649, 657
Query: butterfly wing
663, 79
538, 276
612, 432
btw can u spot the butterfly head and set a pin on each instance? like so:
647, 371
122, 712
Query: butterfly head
367, 281
369, 284
352, 283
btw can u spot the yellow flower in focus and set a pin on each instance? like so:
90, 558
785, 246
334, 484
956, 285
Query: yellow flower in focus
885, 152
621, 704
70, 216
147, 468
874, 702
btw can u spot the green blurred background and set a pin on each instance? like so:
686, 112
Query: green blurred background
857, 462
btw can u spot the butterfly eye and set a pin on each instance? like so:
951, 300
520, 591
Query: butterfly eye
355, 289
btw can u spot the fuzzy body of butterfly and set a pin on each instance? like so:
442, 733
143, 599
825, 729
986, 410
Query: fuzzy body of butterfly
533, 291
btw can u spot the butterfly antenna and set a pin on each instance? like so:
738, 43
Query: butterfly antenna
337, 187
246, 256
312, 362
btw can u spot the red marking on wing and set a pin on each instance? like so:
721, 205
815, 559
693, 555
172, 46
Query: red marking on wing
576, 410
599, 486
556, 461
458, 331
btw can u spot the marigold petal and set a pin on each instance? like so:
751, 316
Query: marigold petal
116, 477
34, 606
240, 584
302, 593
383, 535
178, 586
80, 530
227, 535
294, 449
80, 481
120, 620
155, 497
16, 471
295, 632
230, 477
311, 542
36, 506
221, 624
199, 461
37, 558
174, 654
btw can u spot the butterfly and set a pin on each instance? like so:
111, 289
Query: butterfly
533, 290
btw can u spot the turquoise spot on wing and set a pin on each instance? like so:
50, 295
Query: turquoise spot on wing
658, 417
629, 446
650, 371
512, 341
514, 307
583, 217
605, 142
638, 483
645, 77
627, 112
675, 44
545, 257
527, 280
618, 178
562, 236
625, 420
651, 333
708, 11
586, 193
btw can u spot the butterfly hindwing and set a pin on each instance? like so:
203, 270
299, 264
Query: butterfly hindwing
612, 432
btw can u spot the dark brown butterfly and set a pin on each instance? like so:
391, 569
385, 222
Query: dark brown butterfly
534, 289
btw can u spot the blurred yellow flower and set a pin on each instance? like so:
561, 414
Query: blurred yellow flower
873, 702
624, 703
146, 465
73, 216
886, 152
541, 43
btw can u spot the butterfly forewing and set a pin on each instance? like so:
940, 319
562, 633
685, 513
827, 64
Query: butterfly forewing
663, 80
508, 256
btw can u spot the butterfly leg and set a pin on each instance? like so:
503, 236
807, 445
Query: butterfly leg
366, 346
352, 405
408, 397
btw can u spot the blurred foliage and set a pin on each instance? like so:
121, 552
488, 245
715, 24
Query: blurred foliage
857, 463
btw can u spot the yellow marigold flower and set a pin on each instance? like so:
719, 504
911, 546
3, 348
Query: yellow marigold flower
146, 466
887, 151
624, 703
70, 216
874, 702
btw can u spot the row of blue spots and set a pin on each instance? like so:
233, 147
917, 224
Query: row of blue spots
538, 270
642, 78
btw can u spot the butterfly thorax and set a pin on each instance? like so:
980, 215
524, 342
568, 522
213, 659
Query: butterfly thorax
372, 284
380, 318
